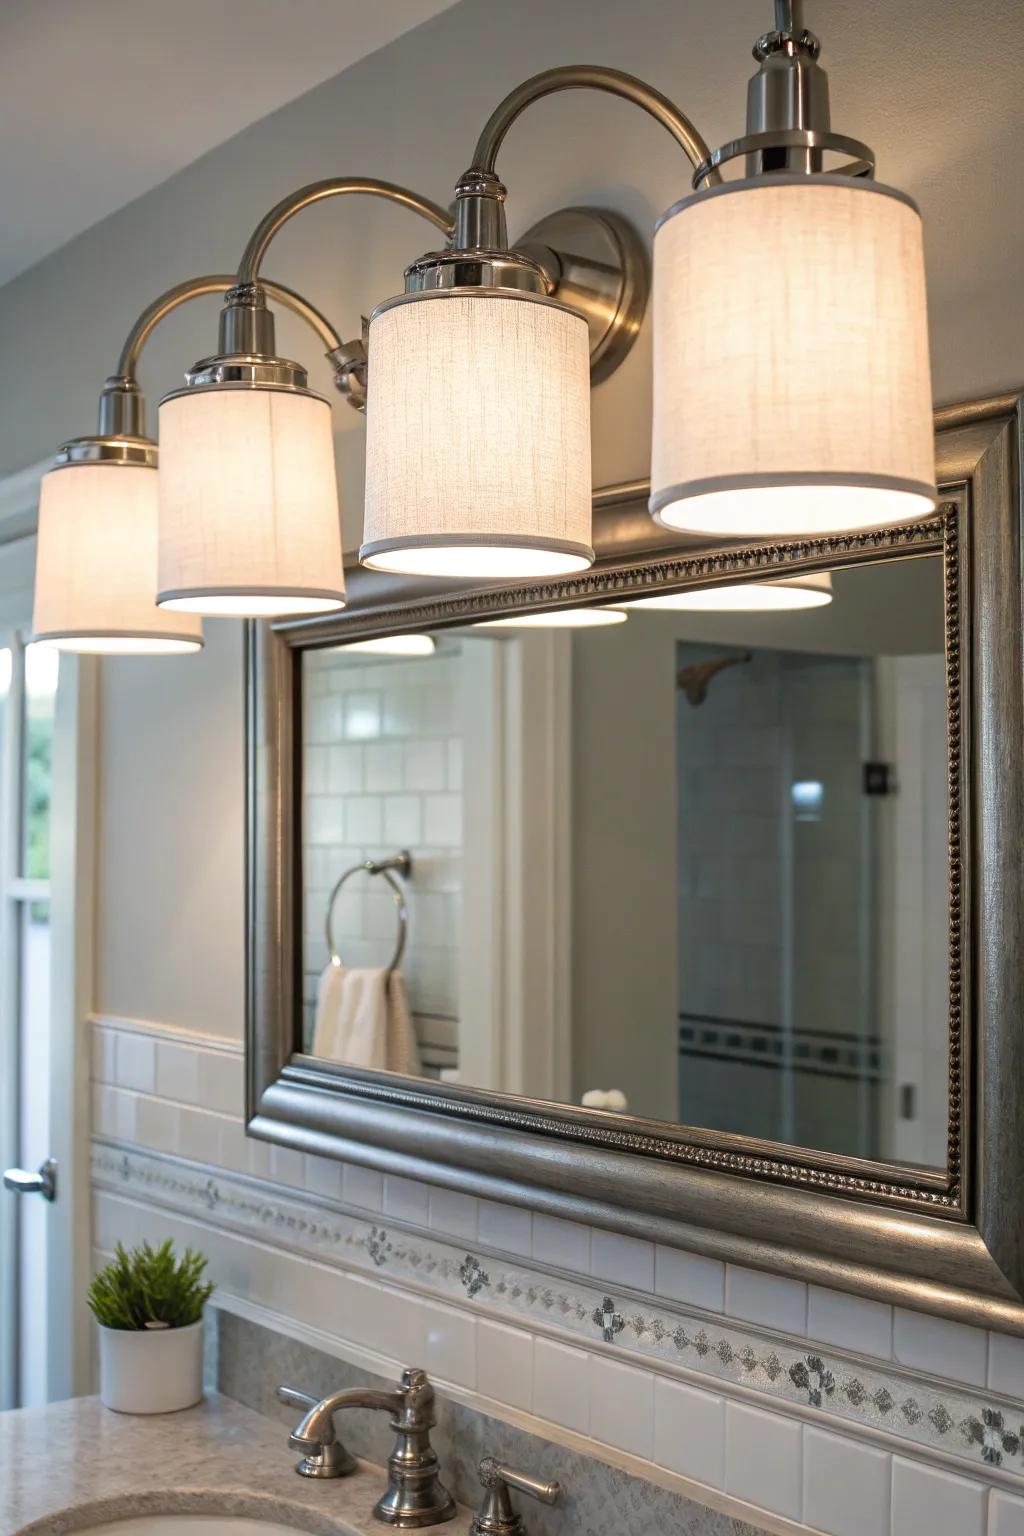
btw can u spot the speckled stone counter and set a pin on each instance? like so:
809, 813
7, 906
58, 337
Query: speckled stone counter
70, 1465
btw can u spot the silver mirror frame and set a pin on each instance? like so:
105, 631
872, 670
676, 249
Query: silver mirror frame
949, 1242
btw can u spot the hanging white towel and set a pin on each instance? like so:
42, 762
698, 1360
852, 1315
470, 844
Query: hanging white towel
363, 1019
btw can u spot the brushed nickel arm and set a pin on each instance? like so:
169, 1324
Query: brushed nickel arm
594, 77
316, 192
196, 288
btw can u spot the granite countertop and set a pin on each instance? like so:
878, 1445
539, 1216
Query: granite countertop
70, 1465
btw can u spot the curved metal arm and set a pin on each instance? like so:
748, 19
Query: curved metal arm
594, 77
337, 186
196, 288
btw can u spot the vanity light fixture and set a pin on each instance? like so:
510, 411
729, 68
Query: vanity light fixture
791, 377
591, 617
780, 595
96, 554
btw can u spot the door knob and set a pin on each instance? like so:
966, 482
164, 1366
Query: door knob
42, 1183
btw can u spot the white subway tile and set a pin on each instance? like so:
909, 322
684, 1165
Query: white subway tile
929, 1502
942, 1347
287, 1166
157, 1124
401, 712
345, 770
561, 1391
846, 1485
622, 1406
689, 1277
1006, 1365
323, 819
1005, 1514
403, 824
565, 1244
621, 1260
114, 1113
849, 1322
315, 780
236, 1149
257, 1153
136, 1062
363, 1187
762, 1459
220, 1082
453, 1213
199, 1135
504, 1364
504, 1226
406, 1200
689, 1431
104, 1055
383, 767
424, 765
772, 1300
324, 1177
449, 1348
363, 819
362, 716
177, 1072
442, 820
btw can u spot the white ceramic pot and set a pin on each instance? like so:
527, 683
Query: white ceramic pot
151, 1370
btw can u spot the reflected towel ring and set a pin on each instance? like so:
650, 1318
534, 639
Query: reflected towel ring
402, 862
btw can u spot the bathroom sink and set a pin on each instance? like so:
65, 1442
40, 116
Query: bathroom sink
192, 1525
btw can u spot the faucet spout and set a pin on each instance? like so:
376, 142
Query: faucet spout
317, 1428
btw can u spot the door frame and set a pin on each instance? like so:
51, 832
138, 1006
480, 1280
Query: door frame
64, 1313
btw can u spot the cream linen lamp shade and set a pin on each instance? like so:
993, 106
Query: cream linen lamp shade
783, 594
96, 559
249, 521
791, 379
478, 436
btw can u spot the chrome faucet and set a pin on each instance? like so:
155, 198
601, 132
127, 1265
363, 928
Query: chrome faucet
415, 1495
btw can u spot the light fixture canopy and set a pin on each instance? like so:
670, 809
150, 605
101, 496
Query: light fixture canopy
95, 583
781, 594
249, 519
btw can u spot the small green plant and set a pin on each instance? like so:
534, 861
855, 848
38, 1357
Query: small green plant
149, 1287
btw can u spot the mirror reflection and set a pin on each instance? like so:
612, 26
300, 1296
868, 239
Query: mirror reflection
690, 864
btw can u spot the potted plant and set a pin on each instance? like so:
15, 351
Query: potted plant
149, 1306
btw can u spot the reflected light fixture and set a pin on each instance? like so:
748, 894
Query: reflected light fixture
394, 645
781, 595
559, 618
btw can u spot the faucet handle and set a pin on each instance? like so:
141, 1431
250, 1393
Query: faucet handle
327, 1458
497, 1516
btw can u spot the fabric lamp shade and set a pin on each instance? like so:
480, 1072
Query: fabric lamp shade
792, 390
96, 557
478, 436
779, 595
249, 521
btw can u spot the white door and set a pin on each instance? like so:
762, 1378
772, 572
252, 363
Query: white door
46, 813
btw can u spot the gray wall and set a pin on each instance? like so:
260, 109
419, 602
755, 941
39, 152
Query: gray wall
171, 736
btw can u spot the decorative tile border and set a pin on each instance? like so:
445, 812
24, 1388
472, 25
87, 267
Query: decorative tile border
979, 1427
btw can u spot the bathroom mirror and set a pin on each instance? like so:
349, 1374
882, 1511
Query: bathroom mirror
746, 882
747, 820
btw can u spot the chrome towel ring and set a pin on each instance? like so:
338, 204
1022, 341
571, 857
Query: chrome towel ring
402, 862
